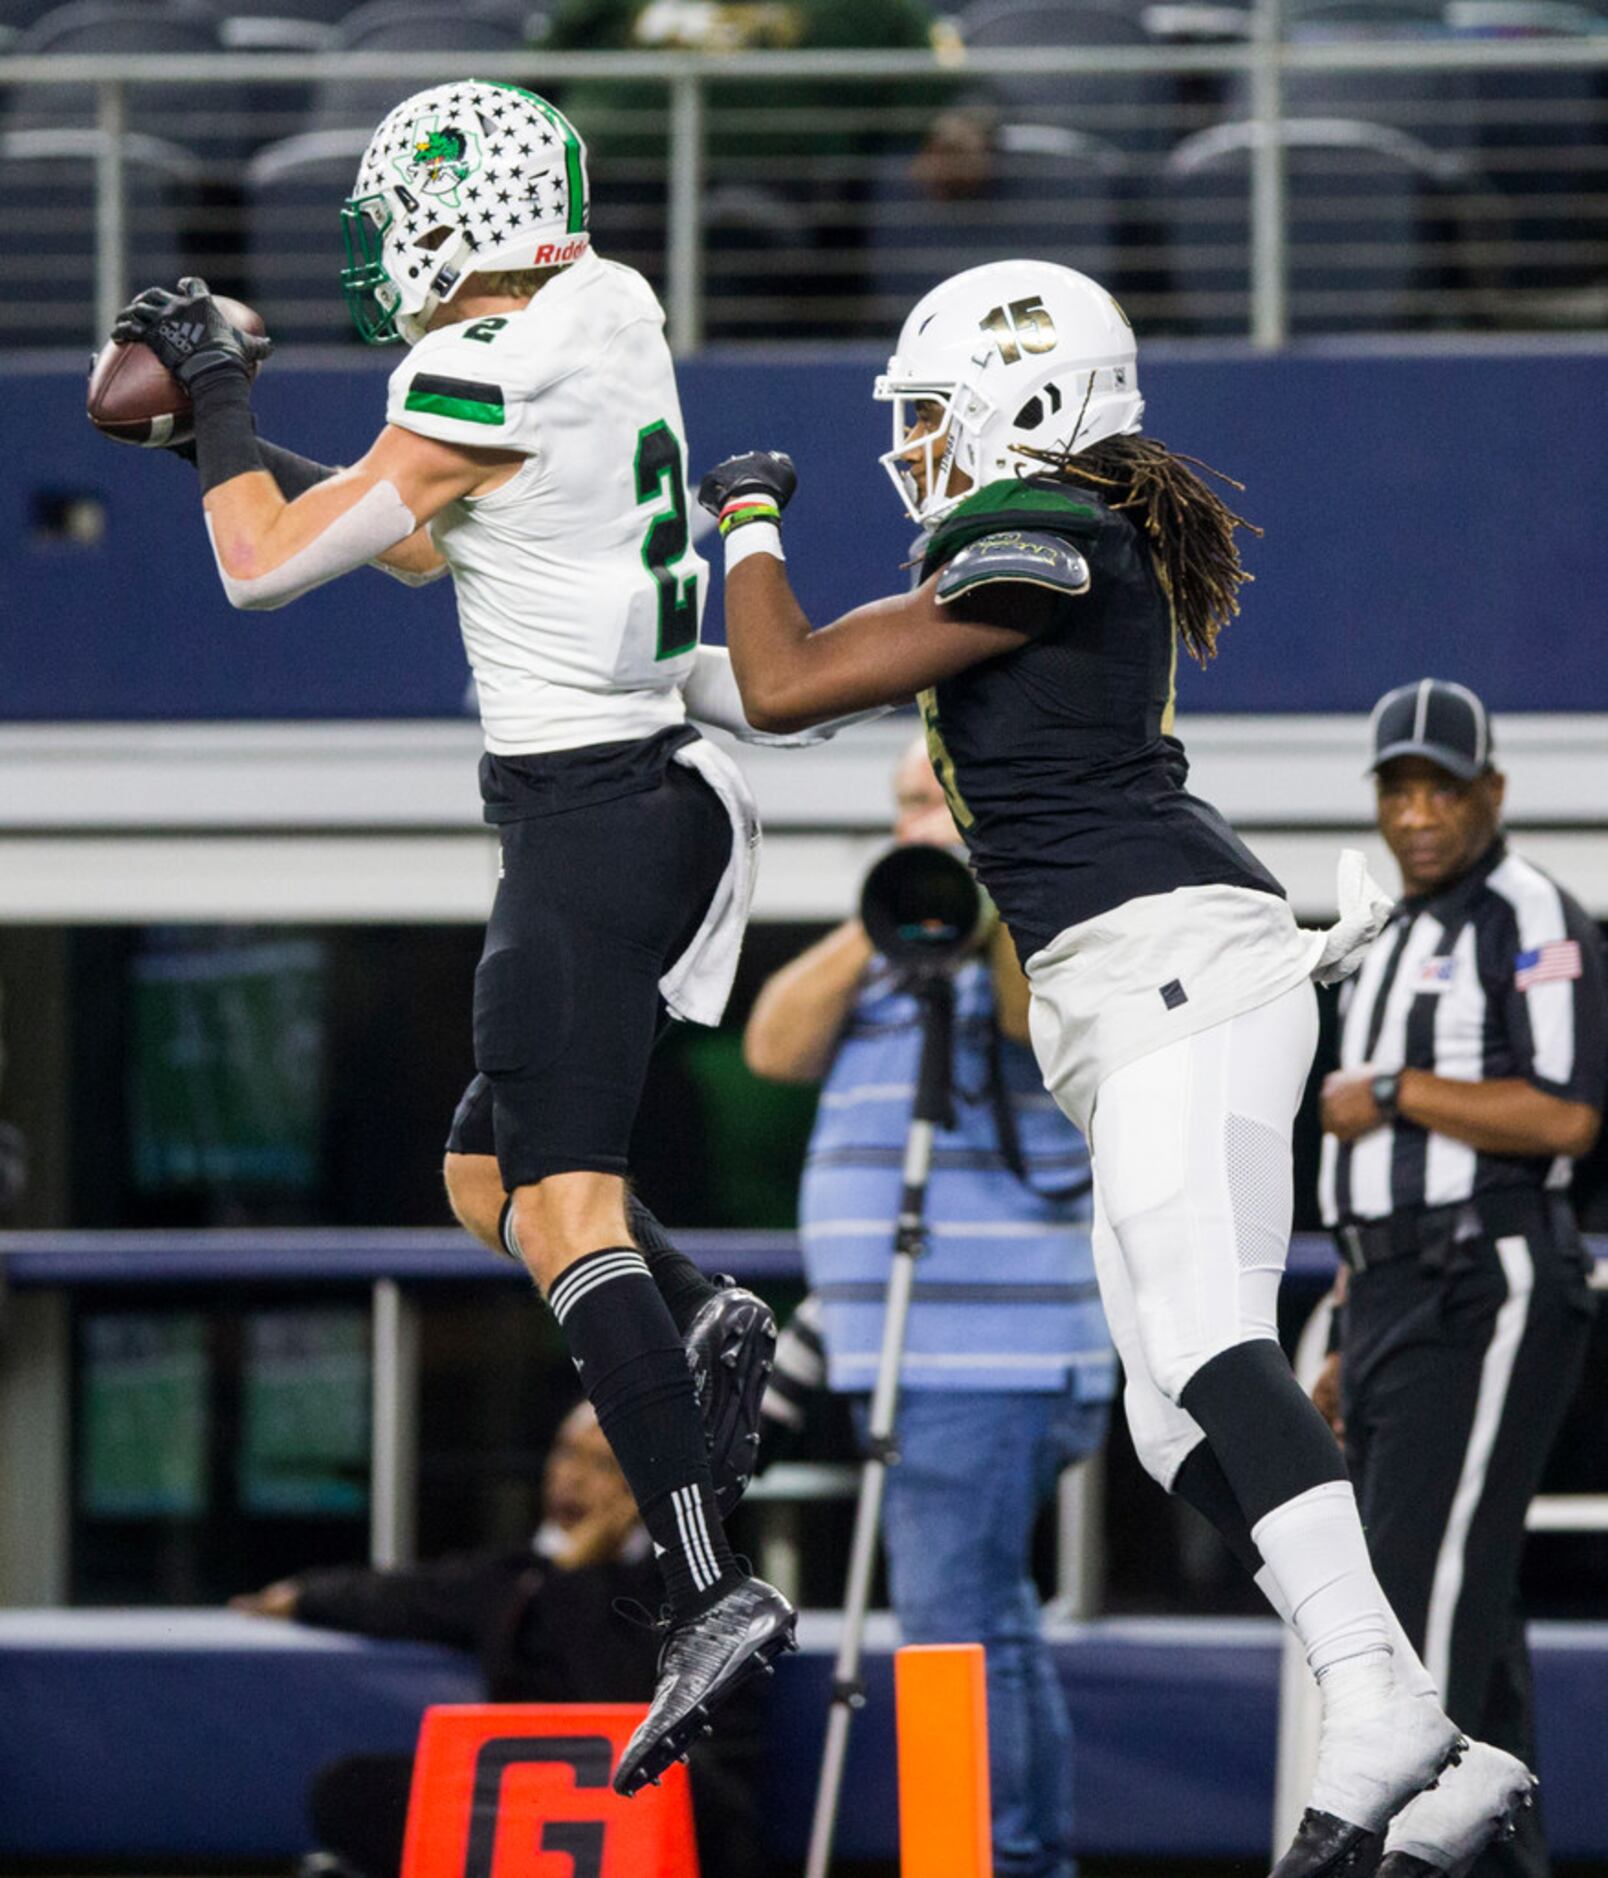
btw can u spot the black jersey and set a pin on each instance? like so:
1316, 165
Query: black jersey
1058, 758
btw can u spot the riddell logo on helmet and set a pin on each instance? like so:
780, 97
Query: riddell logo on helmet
555, 254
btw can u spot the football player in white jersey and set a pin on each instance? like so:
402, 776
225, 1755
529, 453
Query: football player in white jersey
534, 449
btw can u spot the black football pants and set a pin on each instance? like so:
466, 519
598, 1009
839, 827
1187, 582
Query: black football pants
1458, 1366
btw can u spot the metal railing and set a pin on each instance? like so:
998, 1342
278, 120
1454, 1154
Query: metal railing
1212, 206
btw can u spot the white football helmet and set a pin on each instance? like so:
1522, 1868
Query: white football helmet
1016, 352
460, 179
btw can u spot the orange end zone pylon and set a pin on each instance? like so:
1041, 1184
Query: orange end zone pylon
942, 1701
521, 1790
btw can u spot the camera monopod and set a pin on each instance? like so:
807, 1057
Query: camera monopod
924, 913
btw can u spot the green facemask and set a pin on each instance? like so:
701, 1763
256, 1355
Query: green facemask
371, 295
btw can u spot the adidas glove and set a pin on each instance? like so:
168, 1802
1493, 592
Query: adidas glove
754, 487
188, 332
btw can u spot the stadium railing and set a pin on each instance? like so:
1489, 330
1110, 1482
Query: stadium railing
398, 1265
1462, 180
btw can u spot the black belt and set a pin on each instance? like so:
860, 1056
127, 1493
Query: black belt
1417, 1231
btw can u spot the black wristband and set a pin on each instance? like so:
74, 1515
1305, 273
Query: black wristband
294, 474
225, 440
1337, 1330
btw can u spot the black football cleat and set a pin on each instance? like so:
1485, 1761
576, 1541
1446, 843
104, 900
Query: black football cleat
1325, 1844
731, 1349
704, 1662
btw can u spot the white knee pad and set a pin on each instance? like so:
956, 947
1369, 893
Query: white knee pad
1178, 1341
1192, 1161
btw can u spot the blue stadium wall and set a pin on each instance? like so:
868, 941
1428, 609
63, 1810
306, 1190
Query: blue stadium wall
1443, 512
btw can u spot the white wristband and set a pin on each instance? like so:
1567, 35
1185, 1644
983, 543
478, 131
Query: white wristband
753, 538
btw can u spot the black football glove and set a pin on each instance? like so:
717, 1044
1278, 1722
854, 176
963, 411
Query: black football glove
757, 472
188, 333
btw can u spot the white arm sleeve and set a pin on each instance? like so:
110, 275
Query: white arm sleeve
408, 576
712, 698
377, 521
711, 692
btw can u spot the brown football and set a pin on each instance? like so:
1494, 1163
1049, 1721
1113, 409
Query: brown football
134, 398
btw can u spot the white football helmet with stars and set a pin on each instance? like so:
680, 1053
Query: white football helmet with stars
461, 179
1014, 353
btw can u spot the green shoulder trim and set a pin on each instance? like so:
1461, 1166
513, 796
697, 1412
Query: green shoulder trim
1011, 503
466, 399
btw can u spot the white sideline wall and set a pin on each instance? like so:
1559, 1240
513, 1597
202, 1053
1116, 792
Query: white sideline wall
338, 822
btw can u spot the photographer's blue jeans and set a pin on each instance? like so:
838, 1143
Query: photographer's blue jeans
957, 1526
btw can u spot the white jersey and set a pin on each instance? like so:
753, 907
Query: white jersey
579, 596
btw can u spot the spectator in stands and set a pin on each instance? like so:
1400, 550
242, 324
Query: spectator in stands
543, 1622
789, 160
1008, 1371
781, 119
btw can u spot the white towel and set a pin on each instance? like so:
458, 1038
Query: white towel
698, 984
1364, 908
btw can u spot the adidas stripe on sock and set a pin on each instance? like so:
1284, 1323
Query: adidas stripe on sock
634, 1370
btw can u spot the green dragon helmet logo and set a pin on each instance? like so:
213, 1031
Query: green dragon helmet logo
442, 157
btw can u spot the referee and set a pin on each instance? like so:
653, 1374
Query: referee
1471, 1075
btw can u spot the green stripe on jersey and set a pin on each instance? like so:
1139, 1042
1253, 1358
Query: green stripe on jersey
463, 398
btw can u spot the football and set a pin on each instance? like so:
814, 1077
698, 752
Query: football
134, 398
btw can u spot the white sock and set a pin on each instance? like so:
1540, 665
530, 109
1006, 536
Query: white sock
1268, 1585
1317, 1559
1410, 1671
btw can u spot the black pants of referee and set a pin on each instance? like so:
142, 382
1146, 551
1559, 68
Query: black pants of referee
1459, 1360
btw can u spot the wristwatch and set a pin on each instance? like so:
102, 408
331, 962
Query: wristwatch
1384, 1089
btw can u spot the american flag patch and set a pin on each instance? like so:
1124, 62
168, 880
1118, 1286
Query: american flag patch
1558, 959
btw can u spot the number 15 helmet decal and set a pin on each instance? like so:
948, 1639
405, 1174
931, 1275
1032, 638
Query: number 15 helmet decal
1014, 353
465, 178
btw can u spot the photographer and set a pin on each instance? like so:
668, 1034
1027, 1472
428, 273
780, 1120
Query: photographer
1008, 1371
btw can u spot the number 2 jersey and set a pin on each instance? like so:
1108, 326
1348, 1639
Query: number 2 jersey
579, 596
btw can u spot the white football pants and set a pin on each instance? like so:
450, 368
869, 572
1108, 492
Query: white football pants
1193, 1197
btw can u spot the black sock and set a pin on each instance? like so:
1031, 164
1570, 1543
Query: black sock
1268, 1438
634, 1371
1201, 1483
683, 1287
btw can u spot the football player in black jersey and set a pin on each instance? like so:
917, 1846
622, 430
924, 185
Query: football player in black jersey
1066, 559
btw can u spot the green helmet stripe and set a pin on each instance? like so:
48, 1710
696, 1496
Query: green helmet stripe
572, 152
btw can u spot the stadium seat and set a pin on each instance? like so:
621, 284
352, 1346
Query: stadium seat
1128, 110
1541, 134
1027, 208
48, 228
1378, 18
206, 119
1380, 229
294, 247
471, 27
1434, 107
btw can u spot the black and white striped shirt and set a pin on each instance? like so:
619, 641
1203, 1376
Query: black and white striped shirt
1499, 975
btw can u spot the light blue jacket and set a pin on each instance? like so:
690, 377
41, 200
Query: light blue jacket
1005, 1297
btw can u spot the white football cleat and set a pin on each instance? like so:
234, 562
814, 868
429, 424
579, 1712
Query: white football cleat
1444, 1829
1371, 1765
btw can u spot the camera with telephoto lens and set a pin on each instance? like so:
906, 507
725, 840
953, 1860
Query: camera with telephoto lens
922, 909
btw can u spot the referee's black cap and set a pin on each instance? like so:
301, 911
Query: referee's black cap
1435, 719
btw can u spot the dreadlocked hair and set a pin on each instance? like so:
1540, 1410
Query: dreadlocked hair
1188, 525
